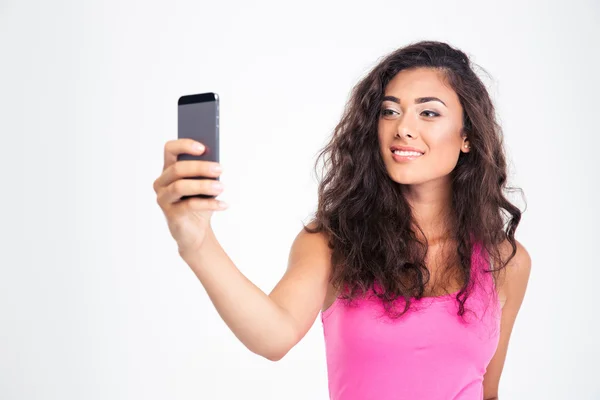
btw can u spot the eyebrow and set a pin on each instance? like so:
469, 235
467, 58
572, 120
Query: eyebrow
418, 100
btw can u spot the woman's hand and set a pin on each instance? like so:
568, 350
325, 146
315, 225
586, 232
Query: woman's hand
188, 219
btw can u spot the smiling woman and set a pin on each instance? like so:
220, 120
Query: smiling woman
411, 257
413, 210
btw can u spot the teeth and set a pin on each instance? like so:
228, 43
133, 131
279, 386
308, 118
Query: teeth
407, 153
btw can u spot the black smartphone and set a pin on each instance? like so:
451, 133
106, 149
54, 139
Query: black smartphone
198, 119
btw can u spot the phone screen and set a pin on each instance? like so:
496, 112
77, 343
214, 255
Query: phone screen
198, 119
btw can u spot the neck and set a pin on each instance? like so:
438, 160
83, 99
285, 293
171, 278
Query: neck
431, 205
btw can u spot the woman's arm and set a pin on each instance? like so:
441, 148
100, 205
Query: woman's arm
514, 284
268, 325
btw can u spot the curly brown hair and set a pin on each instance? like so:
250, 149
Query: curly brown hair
368, 221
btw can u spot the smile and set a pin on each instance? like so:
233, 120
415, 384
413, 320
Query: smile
405, 154
408, 153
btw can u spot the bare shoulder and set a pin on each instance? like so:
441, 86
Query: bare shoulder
310, 246
512, 281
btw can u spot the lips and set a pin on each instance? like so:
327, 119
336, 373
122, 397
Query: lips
405, 153
406, 149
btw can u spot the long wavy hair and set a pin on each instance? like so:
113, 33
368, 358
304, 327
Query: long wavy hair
367, 220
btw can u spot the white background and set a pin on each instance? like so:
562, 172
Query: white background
94, 300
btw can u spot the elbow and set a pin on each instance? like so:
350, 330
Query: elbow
272, 354
273, 350
277, 349
275, 356
277, 344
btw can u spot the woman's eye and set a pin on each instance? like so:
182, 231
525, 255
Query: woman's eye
387, 112
432, 113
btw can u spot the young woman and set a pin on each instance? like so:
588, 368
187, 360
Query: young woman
411, 257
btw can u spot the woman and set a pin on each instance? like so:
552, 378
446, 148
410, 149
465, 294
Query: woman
411, 257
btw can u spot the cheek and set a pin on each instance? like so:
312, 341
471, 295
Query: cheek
380, 132
444, 154
380, 140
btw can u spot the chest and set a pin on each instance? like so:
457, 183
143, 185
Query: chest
431, 330
444, 272
446, 276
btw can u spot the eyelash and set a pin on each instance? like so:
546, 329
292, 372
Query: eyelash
432, 112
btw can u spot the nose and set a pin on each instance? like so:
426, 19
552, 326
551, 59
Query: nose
405, 129
405, 134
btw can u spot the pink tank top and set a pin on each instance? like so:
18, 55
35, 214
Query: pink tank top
429, 353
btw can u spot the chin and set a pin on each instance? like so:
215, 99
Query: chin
413, 176
407, 179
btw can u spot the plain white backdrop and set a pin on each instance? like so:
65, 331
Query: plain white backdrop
95, 302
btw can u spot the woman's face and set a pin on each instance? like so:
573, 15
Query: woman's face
411, 116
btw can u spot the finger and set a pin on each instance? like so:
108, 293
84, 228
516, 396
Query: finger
181, 146
188, 169
199, 204
189, 187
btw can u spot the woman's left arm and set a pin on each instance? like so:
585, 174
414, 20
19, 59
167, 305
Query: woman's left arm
513, 285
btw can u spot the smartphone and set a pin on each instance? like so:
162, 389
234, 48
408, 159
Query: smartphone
198, 119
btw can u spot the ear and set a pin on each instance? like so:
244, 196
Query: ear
466, 145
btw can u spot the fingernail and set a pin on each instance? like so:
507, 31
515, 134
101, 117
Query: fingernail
198, 147
223, 205
217, 185
217, 168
